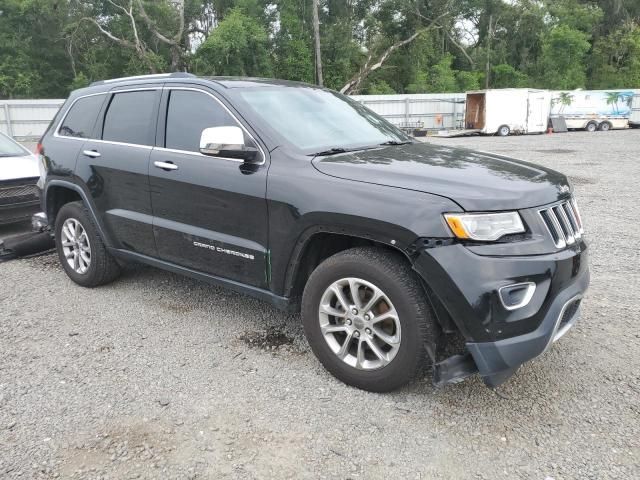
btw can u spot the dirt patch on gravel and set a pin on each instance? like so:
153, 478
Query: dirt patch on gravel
267, 340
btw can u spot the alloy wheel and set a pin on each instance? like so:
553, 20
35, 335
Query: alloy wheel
359, 323
75, 246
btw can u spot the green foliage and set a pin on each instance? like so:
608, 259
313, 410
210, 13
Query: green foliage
238, 46
616, 59
48, 47
469, 80
379, 87
562, 62
505, 76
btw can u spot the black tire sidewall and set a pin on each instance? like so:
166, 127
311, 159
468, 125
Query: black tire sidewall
399, 371
508, 130
78, 212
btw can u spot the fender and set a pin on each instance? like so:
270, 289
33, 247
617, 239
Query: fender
400, 241
85, 198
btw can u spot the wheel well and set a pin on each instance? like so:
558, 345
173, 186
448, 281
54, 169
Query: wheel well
57, 197
320, 247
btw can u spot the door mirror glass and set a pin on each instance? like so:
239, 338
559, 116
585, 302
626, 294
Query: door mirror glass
227, 142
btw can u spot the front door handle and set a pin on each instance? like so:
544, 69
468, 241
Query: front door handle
166, 165
91, 153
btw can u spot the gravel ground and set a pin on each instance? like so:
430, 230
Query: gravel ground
158, 376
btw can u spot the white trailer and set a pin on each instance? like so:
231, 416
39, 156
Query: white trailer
634, 119
592, 110
507, 110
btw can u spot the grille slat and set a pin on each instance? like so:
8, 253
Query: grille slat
563, 223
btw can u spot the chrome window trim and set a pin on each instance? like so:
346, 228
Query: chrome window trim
189, 152
531, 289
56, 133
198, 154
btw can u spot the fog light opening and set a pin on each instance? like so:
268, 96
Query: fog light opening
517, 295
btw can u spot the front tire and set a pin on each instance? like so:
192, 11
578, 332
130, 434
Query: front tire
82, 254
367, 320
604, 127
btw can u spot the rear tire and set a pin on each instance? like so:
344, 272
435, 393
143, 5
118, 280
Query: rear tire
591, 127
394, 333
605, 127
82, 254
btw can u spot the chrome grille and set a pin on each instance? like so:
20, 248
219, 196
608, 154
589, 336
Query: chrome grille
563, 223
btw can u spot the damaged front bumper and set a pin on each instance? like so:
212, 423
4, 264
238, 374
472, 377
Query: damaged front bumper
502, 333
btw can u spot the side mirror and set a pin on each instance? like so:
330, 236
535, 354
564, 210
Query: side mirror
226, 142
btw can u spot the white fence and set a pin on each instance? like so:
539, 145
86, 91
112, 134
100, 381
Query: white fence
27, 119
425, 110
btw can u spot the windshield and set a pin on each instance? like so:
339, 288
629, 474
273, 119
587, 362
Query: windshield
9, 148
313, 119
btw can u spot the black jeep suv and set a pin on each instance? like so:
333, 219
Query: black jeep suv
398, 254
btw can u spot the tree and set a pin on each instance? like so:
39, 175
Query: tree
316, 43
562, 62
134, 13
505, 76
239, 45
616, 59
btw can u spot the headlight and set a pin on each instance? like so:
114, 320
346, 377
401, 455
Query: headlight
484, 226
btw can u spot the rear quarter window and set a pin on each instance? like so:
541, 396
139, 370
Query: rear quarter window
82, 116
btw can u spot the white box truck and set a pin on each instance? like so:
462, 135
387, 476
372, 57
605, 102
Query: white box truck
634, 119
592, 110
507, 110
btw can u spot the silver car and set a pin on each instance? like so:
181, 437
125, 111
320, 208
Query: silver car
19, 173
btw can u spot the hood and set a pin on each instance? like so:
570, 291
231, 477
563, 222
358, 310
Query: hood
476, 181
14, 168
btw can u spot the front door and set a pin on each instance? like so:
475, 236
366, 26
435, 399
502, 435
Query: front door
210, 213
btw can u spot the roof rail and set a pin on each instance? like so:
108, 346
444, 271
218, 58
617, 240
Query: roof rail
144, 77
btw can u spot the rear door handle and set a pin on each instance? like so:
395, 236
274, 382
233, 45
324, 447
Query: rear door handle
166, 165
91, 153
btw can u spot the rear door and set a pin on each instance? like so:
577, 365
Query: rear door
210, 213
115, 167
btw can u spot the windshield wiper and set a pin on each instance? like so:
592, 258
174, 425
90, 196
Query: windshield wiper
330, 151
396, 142
334, 150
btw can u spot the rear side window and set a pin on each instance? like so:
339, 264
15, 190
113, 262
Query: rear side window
130, 118
188, 114
81, 119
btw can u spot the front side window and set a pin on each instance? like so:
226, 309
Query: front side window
131, 118
81, 118
188, 114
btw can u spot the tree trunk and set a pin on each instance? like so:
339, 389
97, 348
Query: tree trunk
316, 37
487, 68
